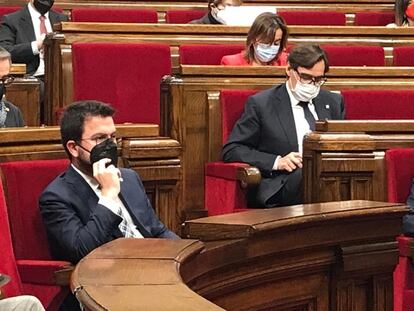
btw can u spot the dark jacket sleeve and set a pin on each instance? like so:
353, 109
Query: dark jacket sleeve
71, 239
21, 52
243, 142
408, 220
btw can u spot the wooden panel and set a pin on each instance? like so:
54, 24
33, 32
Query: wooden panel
276, 265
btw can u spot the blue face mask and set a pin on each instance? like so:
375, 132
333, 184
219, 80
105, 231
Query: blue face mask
265, 52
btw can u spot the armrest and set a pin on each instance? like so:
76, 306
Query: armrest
405, 245
248, 176
44, 271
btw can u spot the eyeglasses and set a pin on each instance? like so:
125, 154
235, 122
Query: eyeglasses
102, 138
7, 80
308, 79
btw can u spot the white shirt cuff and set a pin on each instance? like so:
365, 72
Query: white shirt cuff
34, 48
112, 205
275, 165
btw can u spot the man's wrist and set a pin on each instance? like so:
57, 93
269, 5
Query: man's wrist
276, 163
35, 50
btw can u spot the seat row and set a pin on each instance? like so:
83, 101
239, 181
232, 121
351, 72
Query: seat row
113, 15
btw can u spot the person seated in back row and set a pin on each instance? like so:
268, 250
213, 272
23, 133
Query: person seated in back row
265, 43
213, 15
10, 115
404, 14
269, 133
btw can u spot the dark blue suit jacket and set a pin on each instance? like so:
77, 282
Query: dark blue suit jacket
17, 33
76, 224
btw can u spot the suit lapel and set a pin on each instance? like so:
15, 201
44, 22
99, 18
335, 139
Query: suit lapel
321, 108
27, 25
285, 115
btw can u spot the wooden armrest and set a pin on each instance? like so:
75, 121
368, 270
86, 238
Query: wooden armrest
62, 277
248, 176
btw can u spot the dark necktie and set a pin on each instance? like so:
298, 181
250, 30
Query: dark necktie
43, 29
308, 115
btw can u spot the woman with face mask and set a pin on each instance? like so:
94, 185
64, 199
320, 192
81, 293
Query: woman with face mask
404, 14
214, 8
265, 44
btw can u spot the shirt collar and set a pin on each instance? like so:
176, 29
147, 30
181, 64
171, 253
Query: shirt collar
293, 101
34, 13
90, 180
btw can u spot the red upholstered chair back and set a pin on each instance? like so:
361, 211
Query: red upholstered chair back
403, 56
125, 75
378, 104
183, 16
400, 173
313, 18
8, 9
7, 260
203, 54
358, 55
374, 18
24, 181
232, 106
111, 15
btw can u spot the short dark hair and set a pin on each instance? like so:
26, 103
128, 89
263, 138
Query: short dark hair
306, 56
217, 2
264, 29
73, 119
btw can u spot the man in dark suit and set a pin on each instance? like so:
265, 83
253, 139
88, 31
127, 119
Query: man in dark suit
22, 33
214, 7
93, 202
269, 133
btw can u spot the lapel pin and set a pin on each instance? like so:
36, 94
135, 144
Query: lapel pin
327, 106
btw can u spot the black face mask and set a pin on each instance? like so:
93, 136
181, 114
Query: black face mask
43, 6
106, 149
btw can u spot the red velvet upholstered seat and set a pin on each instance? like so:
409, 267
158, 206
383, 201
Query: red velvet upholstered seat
8, 9
403, 56
313, 18
206, 54
374, 18
223, 193
125, 75
358, 55
183, 16
111, 15
378, 104
23, 183
400, 173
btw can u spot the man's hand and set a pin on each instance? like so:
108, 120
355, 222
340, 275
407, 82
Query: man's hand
290, 162
39, 42
108, 178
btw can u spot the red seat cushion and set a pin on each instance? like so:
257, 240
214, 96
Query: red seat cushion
378, 104
111, 15
358, 55
232, 106
8, 9
403, 56
203, 54
313, 18
29, 178
400, 173
183, 16
125, 75
374, 18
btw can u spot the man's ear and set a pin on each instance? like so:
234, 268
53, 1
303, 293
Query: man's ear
288, 68
72, 148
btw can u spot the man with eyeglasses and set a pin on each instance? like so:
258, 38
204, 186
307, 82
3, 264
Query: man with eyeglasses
94, 202
269, 134
10, 115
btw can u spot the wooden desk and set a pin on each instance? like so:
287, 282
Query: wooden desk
308, 257
156, 159
344, 160
190, 108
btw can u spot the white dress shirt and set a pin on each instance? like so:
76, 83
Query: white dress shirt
301, 125
35, 15
112, 205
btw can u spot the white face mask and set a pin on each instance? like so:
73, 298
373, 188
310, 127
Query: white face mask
305, 92
266, 53
218, 15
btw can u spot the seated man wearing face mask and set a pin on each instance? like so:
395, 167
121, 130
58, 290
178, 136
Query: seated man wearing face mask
93, 202
270, 132
214, 6
10, 115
